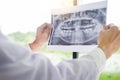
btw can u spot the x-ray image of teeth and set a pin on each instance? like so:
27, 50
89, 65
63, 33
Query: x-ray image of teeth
78, 28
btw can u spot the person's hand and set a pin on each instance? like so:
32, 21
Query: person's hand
109, 39
42, 35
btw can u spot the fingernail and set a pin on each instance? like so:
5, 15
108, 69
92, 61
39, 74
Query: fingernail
44, 24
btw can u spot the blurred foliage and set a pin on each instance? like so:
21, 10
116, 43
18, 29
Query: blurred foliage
110, 76
118, 52
26, 38
22, 38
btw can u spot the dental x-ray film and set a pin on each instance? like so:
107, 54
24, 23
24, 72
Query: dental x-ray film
77, 28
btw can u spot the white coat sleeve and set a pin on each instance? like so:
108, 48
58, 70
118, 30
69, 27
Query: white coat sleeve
18, 63
85, 68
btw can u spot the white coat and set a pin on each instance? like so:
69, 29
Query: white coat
20, 63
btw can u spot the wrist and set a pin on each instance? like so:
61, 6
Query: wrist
35, 46
106, 50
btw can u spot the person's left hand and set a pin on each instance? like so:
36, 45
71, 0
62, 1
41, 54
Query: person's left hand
42, 35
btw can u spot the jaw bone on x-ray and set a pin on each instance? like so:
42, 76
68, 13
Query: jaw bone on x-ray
78, 27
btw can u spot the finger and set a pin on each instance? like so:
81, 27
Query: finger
42, 28
114, 28
105, 27
49, 27
116, 42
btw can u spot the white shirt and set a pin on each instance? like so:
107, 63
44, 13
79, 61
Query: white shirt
20, 63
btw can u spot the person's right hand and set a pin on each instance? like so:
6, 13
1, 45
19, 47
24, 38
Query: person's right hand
109, 40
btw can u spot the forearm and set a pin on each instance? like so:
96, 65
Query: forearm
35, 45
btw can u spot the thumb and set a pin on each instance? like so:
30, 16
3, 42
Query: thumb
48, 28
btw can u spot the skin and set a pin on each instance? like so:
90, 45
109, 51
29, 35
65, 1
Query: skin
108, 39
42, 35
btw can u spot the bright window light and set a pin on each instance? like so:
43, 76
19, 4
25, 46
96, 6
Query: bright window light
25, 15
